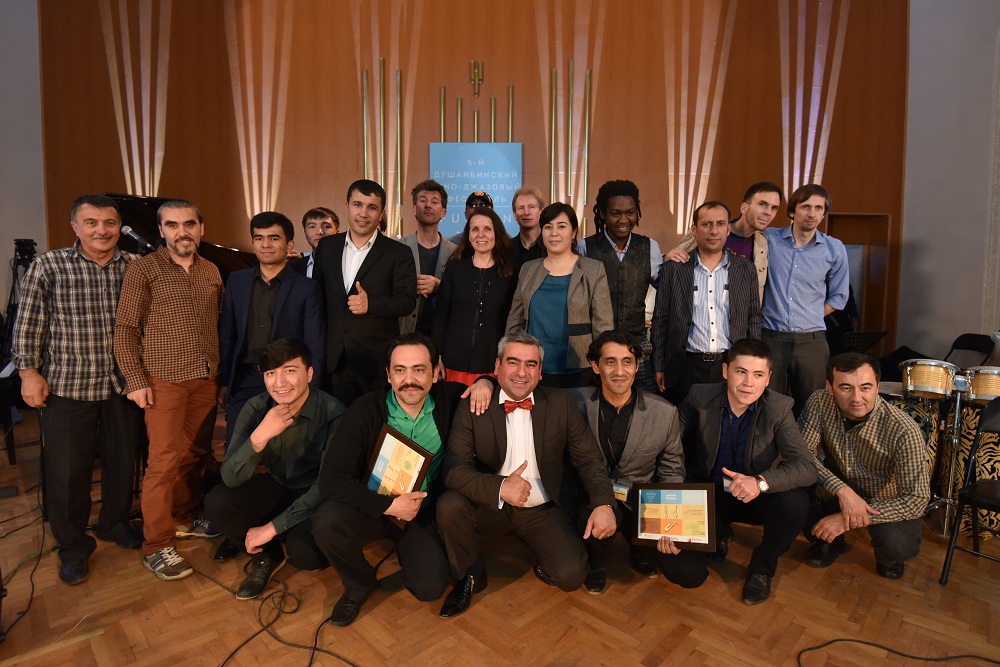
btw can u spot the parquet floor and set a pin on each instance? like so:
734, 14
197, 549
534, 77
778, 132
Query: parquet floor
123, 616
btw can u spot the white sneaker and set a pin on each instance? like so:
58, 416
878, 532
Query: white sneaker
167, 564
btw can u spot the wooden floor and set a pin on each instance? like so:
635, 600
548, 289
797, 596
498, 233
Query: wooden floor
123, 616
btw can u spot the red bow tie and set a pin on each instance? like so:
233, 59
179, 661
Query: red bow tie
510, 406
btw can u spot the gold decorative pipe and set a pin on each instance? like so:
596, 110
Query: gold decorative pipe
569, 134
552, 136
399, 152
510, 113
586, 146
364, 121
458, 120
441, 105
493, 118
381, 120
475, 125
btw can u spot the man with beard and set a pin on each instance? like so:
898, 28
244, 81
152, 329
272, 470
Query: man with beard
431, 252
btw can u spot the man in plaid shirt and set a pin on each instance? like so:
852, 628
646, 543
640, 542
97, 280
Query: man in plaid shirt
167, 345
871, 465
62, 348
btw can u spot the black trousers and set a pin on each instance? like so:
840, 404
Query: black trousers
342, 532
246, 384
549, 531
798, 364
236, 509
687, 569
74, 433
694, 370
892, 542
779, 513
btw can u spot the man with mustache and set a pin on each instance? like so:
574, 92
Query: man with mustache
167, 346
62, 348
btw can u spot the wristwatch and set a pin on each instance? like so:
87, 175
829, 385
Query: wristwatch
762, 484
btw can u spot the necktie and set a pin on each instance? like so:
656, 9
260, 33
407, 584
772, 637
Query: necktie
510, 406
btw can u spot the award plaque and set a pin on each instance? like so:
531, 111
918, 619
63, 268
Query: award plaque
683, 512
398, 464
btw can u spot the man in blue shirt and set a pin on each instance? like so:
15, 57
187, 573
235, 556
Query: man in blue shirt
807, 279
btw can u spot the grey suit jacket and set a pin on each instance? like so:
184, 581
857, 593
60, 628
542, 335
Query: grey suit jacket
408, 323
653, 448
775, 449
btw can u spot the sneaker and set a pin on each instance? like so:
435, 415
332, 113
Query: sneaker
198, 528
167, 564
259, 570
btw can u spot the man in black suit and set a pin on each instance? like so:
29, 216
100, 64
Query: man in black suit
263, 304
743, 437
505, 471
702, 306
368, 282
316, 223
639, 437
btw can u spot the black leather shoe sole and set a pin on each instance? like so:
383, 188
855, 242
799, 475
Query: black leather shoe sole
226, 551
74, 573
345, 611
891, 571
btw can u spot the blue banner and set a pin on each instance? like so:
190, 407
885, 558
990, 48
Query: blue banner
464, 168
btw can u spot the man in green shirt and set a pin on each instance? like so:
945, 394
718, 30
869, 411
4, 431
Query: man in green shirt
353, 515
286, 430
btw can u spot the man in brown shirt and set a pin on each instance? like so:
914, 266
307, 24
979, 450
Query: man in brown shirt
167, 346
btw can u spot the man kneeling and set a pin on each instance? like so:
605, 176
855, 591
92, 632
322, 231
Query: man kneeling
286, 430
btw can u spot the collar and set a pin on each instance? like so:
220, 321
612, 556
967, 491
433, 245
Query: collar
277, 278
605, 403
614, 246
502, 396
114, 257
309, 408
396, 411
786, 233
721, 265
367, 244
750, 408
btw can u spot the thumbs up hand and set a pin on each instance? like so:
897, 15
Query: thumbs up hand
358, 303
515, 489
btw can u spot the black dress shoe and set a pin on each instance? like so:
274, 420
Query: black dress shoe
259, 570
892, 570
824, 554
346, 610
641, 565
226, 551
126, 536
757, 588
540, 573
722, 544
74, 573
461, 595
596, 581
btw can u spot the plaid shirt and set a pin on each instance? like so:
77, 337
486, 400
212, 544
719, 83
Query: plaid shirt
65, 322
882, 459
168, 321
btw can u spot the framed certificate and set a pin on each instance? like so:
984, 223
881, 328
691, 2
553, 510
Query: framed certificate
683, 512
398, 464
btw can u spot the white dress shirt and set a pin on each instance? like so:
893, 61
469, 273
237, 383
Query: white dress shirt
521, 448
353, 258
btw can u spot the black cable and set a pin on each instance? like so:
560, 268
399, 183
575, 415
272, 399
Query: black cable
14, 530
947, 658
31, 576
18, 516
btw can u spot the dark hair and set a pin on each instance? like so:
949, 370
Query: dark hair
97, 201
503, 257
176, 203
279, 352
804, 193
750, 347
613, 336
710, 204
412, 338
319, 213
763, 186
270, 219
848, 362
552, 211
614, 189
367, 188
430, 185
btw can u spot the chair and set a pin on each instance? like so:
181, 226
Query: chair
970, 342
976, 495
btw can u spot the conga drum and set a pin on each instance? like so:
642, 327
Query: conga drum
987, 461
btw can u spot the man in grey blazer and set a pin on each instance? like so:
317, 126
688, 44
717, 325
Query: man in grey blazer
431, 252
640, 441
743, 437
702, 306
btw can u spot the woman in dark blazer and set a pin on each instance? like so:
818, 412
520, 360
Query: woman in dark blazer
563, 300
474, 298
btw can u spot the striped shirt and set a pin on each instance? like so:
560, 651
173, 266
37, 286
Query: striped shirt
710, 315
168, 321
882, 459
66, 321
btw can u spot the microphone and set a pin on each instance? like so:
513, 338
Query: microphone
144, 245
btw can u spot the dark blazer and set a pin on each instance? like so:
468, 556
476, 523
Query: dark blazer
345, 469
389, 276
673, 314
299, 265
478, 445
298, 313
653, 447
775, 449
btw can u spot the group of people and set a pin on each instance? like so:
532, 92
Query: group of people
530, 368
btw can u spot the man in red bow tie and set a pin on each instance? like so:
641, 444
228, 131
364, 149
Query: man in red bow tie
504, 470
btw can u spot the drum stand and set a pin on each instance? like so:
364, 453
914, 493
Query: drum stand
948, 501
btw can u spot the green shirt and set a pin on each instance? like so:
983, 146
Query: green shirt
421, 430
292, 458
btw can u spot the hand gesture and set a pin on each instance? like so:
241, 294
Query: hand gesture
259, 536
274, 423
426, 285
666, 546
601, 524
480, 392
743, 487
514, 489
358, 303
677, 255
406, 506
